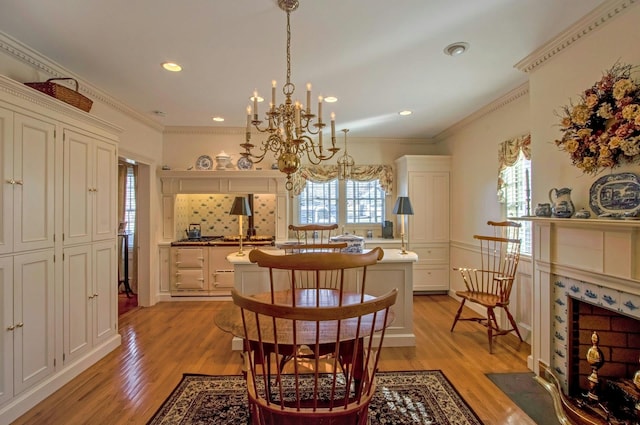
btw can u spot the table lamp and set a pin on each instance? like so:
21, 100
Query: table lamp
402, 208
240, 208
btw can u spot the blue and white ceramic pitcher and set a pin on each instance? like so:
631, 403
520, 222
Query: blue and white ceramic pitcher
561, 204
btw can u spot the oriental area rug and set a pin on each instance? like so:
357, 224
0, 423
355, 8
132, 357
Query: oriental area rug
418, 397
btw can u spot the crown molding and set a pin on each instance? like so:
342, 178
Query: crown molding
205, 130
513, 95
591, 22
40, 63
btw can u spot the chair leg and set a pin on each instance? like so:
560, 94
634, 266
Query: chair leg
455, 320
513, 322
491, 322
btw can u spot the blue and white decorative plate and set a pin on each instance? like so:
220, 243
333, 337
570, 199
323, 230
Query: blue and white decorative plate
616, 195
204, 162
244, 163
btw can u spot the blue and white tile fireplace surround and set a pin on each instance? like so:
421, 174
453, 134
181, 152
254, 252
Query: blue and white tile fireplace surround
594, 261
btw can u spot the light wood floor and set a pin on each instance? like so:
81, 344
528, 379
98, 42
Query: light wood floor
163, 342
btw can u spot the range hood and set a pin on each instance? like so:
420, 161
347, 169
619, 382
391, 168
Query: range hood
211, 181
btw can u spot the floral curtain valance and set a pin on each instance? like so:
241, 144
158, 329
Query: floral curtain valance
324, 173
508, 154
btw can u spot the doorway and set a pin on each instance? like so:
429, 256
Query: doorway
127, 236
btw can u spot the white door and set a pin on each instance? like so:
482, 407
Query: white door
7, 326
34, 318
6, 188
78, 297
78, 187
105, 185
105, 299
33, 194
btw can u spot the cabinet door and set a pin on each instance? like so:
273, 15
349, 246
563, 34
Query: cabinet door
105, 301
33, 343
78, 187
6, 322
429, 193
78, 296
105, 193
6, 173
33, 194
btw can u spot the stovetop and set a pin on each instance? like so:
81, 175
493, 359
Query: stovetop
225, 240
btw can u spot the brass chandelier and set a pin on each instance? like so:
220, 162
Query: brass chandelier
290, 125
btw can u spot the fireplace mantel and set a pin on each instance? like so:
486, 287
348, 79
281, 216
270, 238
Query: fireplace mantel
601, 252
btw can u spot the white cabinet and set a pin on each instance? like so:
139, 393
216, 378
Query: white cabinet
28, 342
27, 143
90, 167
57, 317
425, 179
220, 270
90, 310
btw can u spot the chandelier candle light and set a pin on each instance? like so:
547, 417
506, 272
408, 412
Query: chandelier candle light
402, 208
289, 125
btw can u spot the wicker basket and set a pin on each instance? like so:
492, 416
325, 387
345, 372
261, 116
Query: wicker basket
63, 93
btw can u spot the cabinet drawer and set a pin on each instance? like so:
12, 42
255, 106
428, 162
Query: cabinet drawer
431, 254
427, 278
189, 279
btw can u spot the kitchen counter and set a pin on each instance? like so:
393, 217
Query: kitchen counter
395, 270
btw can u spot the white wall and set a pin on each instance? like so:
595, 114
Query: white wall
183, 145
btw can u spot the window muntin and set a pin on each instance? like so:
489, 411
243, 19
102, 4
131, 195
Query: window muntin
318, 203
364, 202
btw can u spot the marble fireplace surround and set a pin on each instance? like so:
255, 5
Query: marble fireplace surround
593, 260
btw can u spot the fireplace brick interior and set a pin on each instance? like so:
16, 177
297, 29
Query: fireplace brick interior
619, 343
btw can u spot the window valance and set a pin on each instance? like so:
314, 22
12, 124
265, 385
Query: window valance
324, 173
508, 154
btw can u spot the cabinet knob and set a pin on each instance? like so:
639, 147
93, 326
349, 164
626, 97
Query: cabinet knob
10, 328
95, 295
19, 182
19, 325
11, 181
90, 297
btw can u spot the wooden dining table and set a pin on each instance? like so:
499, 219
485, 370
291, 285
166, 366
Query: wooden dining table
230, 320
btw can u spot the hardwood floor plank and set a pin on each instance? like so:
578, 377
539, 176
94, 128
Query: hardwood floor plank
161, 343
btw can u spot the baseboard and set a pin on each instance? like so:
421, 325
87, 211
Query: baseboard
23, 402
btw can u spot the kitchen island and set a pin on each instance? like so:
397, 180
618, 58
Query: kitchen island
395, 270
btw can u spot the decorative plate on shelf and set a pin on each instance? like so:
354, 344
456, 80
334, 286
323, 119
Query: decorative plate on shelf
204, 162
616, 195
244, 163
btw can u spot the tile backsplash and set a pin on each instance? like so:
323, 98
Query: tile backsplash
211, 211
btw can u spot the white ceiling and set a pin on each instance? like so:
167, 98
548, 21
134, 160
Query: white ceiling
377, 56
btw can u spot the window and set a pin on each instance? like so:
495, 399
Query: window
318, 203
343, 202
130, 204
517, 190
365, 202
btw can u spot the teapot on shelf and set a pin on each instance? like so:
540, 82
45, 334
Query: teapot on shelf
561, 204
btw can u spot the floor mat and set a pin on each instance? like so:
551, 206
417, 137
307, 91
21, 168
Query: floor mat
528, 395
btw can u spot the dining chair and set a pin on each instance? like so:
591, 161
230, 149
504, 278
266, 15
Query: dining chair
490, 285
318, 390
313, 233
339, 272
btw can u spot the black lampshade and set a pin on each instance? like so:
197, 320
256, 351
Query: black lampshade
240, 206
403, 206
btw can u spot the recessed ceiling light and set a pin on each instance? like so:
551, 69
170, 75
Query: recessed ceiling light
172, 66
159, 113
405, 112
330, 99
218, 119
456, 49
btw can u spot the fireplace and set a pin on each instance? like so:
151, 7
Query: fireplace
586, 275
